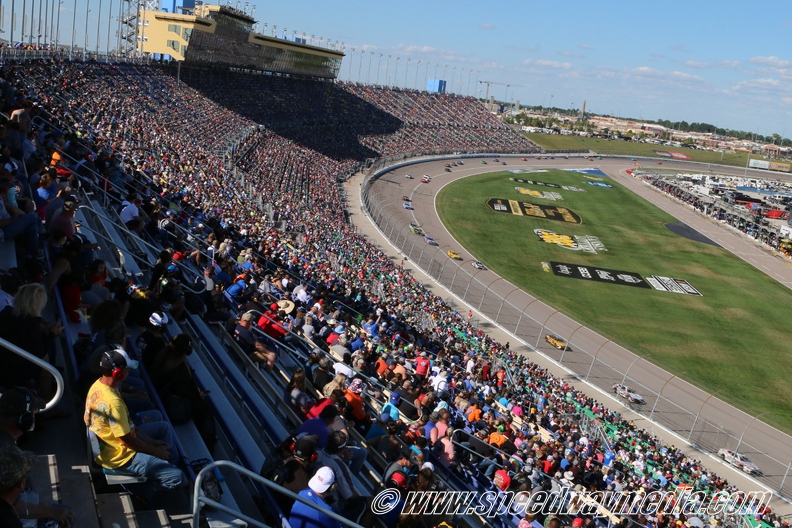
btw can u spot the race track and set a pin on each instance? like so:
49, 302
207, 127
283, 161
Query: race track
689, 412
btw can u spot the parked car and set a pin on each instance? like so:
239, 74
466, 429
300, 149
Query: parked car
739, 461
628, 393
454, 255
478, 265
556, 341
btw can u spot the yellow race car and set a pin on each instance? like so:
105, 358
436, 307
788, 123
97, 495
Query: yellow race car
454, 255
556, 341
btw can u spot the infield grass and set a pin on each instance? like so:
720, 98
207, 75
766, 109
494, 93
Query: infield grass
628, 148
734, 338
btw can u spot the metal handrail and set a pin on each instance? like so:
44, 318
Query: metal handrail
199, 500
43, 364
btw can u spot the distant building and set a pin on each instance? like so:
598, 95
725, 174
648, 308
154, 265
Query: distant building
222, 35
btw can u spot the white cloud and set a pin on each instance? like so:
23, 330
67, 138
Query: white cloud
547, 64
570, 54
368, 47
786, 100
729, 64
487, 26
697, 64
685, 76
586, 47
772, 60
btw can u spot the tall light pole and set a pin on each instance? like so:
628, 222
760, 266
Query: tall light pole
417, 68
470, 74
24, 20
395, 73
379, 62
406, 72
360, 63
13, 19
371, 54
436, 65
98, 31
351, 58
445, 72
32, 23
109, 20
46, 14
74, 28
453, 74
88, 3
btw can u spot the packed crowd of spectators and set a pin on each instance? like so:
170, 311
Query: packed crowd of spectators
448, 392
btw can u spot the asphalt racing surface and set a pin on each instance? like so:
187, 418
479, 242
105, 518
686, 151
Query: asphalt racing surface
682, 415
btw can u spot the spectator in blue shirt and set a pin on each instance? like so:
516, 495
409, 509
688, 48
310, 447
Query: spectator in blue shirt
304, 516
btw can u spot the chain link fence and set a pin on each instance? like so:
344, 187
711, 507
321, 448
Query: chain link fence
695, 415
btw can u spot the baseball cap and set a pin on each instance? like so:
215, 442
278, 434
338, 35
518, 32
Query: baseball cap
14, 402
322, 480
304, 448
158, 319
395, 398
357, 386
15, 464
115, 357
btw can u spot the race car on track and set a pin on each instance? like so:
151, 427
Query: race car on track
496, 160
408, 176
628, 393
632, 159
460, 162
429, 240
739, 461
416, 229
556, 341
447, 169
406, 198
454, 255
407, 206
503, 163
447, 164
483, 162
478, 265
426, 179
523, 159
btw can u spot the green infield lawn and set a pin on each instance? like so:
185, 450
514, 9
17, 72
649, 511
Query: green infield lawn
733, 338
628, 148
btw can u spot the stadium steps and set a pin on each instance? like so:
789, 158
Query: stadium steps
8, 257
116, 510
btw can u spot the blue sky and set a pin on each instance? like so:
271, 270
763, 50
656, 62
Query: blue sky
726, 63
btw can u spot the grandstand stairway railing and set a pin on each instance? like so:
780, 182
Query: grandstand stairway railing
200, 500
43, 364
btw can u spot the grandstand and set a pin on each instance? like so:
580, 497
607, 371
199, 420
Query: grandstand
236, 177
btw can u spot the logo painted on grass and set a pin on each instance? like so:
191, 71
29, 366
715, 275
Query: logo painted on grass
547, 195
592, 273
673, 285
549, 212
600, 184
545, 184
586, 243
675, 155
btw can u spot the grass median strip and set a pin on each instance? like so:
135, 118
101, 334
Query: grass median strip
733, 338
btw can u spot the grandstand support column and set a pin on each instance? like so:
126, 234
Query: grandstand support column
624, 379
739, 442
660, 394
486, 290
74, 26
543, 328
521, 316
464, 297
695, 420
566, 345
595, 358
504, 302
